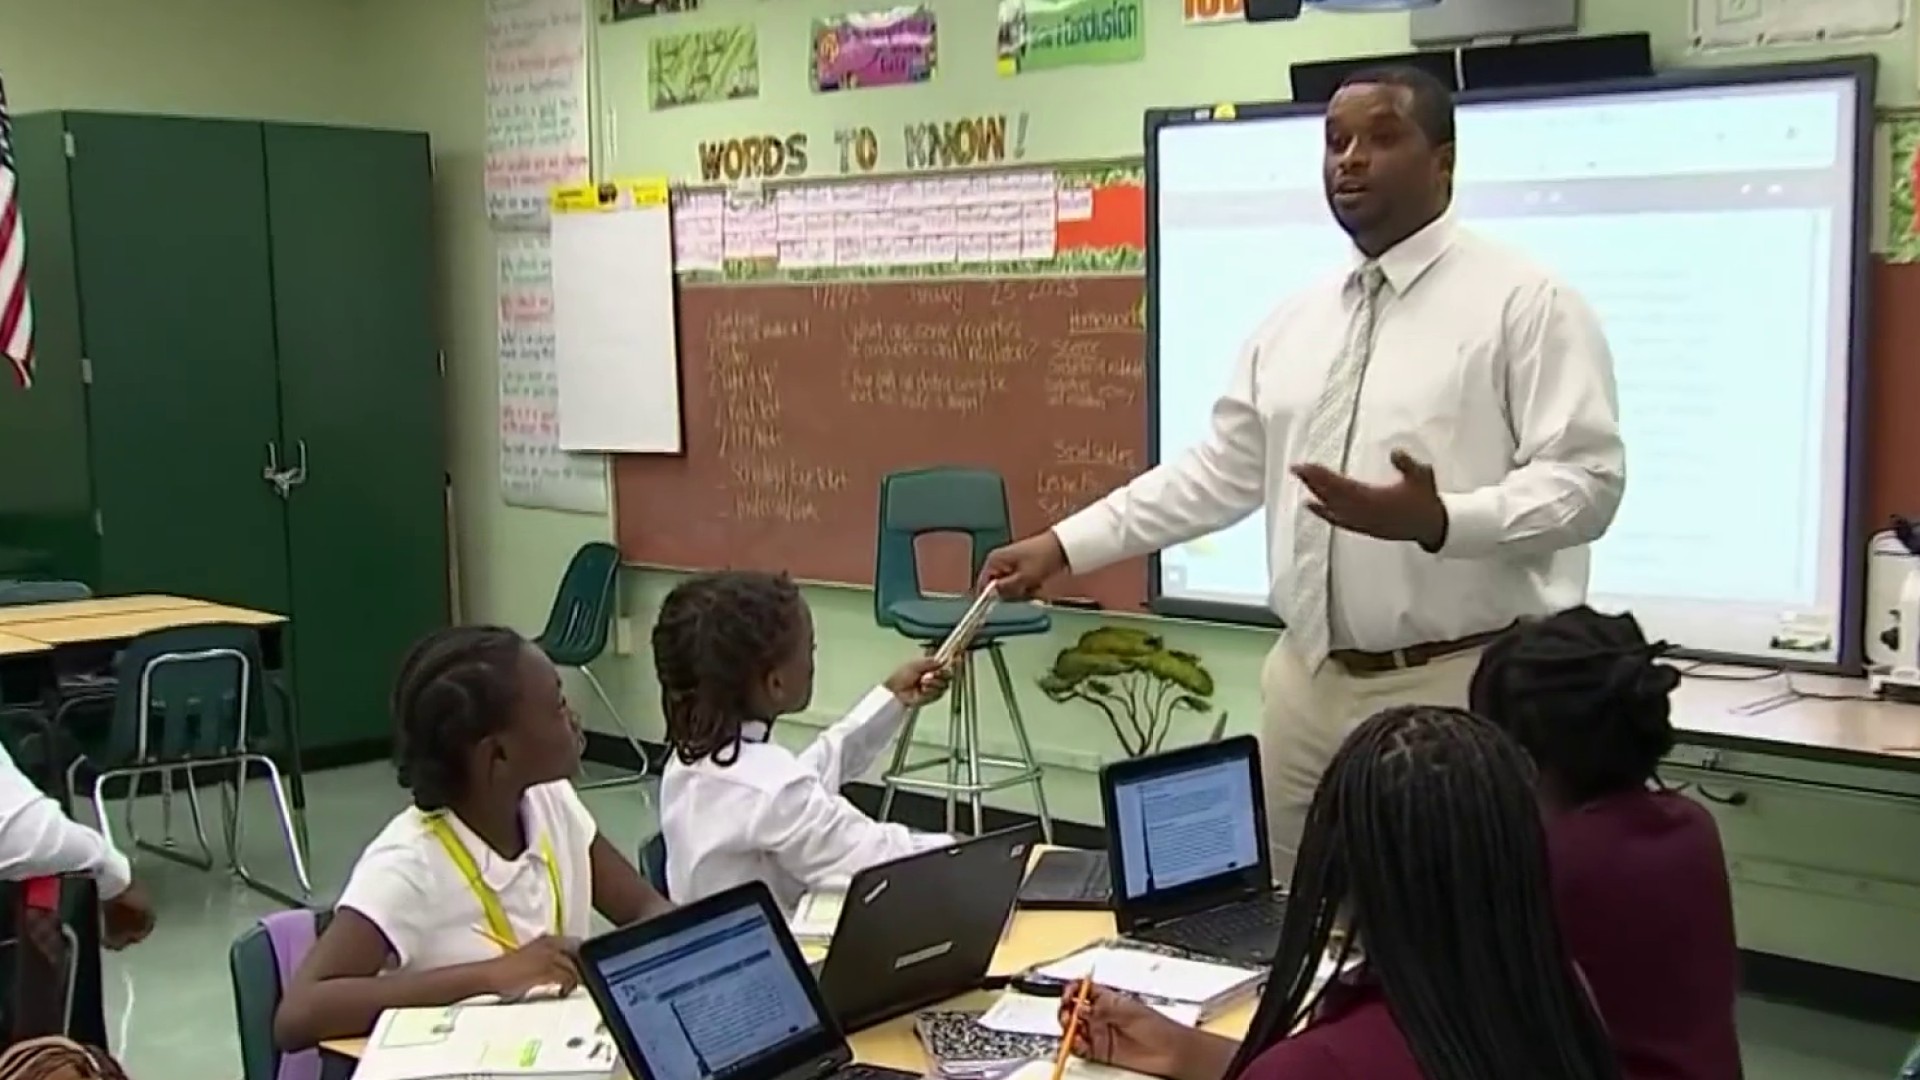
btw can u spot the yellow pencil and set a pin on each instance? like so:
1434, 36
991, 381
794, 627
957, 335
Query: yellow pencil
1073, 1028
503, 943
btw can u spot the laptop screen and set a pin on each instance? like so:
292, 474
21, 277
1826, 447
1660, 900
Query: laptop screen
1186, 824
713, 999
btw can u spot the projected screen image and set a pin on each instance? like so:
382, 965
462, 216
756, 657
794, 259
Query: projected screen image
1712, 228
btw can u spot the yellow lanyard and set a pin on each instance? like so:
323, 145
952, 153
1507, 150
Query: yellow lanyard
496, 916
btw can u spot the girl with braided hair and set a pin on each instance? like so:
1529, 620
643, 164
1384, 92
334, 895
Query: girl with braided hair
1639, 877
734, 653
488, 881
1425, 845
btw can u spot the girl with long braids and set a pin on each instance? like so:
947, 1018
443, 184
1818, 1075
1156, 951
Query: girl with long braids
1639, 877
1424, 844
733, 652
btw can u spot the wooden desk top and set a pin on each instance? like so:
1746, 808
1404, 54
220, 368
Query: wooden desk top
1732, 713
1033, 937
13, 645
123, 625
105, 605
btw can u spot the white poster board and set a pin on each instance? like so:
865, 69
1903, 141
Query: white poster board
534, 472
615, 339
537, 109
1741, 24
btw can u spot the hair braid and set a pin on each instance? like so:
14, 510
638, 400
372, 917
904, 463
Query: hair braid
1425, 834
717, 638
455, 687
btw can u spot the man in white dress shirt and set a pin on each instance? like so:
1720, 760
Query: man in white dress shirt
1433, 432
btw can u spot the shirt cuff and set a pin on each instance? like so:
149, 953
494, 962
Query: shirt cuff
1091, 539
1475, 523
114, 875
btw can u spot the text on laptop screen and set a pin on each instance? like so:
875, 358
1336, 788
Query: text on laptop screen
1186, 826
712, 998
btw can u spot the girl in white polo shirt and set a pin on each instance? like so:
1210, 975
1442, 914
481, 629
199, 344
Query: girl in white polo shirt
488, 881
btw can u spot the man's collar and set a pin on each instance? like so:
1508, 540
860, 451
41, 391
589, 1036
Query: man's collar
1404, 262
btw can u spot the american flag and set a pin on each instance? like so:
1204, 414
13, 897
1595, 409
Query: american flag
16, 310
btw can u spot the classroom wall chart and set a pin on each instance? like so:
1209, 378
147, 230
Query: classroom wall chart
534, 471
537, 110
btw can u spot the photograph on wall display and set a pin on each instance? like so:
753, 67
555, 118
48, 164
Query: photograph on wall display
640, 9
700, 66
874, 48
1041, 35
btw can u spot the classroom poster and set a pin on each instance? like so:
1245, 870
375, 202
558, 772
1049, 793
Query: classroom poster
534, 471
640, 9
700, 66
1903, 217
1041, 35
874, 48
537, 115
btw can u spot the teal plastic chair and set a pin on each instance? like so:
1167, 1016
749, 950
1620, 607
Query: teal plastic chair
189, 699
577, 632
255, 968
971, 503
653, 863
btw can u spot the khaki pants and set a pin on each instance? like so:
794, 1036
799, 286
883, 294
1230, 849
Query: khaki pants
1306, 715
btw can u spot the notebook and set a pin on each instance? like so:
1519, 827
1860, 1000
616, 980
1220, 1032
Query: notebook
1158, 978
556, 1039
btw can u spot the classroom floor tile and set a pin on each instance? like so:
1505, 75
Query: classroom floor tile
170, 1002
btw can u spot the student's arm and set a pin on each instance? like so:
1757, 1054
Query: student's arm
851, 746
38, 840
619, 892
822, 839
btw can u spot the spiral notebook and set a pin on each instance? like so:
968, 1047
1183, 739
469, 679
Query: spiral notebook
560, 1039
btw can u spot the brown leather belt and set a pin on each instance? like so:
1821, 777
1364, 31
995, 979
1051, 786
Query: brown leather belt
1379, 663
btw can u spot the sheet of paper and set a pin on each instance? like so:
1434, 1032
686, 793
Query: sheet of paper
1150, 974
1025, 1014
817, 915
1077, 1069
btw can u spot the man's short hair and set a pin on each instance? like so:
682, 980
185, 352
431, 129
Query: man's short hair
1432, 101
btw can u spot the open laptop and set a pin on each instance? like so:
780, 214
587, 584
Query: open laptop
717, 990
921, 929
1187, 844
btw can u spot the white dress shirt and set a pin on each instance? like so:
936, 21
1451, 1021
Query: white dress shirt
407, 885
38, 840
1486, 367
778, 817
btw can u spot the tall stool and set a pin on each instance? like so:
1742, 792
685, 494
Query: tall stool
971, 503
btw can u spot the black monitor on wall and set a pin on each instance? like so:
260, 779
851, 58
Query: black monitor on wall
1316, 81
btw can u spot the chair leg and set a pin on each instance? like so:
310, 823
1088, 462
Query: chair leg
199, 818
956, 713
975, 796
1019, 725
100, 807
626, 731
166, 809
288, 834
901, 748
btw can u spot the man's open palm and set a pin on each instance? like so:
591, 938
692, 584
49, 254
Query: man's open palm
1409, 509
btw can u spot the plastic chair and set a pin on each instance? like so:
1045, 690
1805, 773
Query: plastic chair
972, 503
255, 965
190, 698
577, 631
653, 863
15, 593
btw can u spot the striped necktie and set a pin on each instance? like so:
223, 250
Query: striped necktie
1329, 437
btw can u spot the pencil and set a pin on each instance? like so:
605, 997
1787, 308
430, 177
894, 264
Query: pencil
1073, 1028
503, 943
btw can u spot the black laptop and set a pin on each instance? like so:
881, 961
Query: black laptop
921, 929
717, 990
1068, 880
1187, 844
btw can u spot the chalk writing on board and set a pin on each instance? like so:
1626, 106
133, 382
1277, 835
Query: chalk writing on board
768, 483
536, 104
533, 470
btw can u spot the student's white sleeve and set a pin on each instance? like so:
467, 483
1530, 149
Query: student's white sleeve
572, 811
1211, 485
38, 840
848, 749
823, 840
387, 888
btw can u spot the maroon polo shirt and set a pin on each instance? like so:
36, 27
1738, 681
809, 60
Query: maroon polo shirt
1640, 883
1353, 1038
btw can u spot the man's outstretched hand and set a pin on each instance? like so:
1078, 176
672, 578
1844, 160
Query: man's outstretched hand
1023, 566
1408, 509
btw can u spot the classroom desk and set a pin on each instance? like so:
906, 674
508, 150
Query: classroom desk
105, 605
1033, 937
1758, 715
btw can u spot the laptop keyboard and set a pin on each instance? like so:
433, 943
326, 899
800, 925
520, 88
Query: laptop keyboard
1249, 925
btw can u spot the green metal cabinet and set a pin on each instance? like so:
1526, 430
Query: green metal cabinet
220, 302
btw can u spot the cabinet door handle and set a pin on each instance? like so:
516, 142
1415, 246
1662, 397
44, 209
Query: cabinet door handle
272, 474
297, 475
